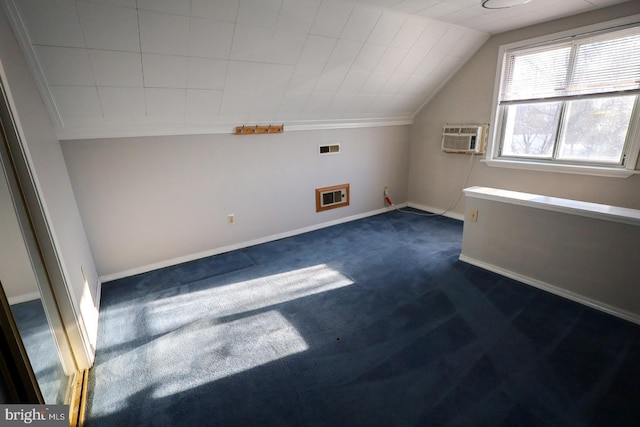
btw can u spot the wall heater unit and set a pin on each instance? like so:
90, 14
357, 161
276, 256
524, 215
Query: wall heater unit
466, 139
332, 197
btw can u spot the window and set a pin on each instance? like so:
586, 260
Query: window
571, 104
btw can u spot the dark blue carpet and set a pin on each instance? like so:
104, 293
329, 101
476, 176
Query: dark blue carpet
370, 323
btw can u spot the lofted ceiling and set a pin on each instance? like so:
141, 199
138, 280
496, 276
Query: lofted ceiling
109, 68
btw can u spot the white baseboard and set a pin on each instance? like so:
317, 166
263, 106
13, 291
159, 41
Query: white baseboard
623, 314
426, 208
242, 245
24, 298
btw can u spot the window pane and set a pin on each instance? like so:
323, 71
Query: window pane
607, 65
596, 129
530, 129
540, 74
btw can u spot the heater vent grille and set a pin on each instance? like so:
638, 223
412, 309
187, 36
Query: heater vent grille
332, 197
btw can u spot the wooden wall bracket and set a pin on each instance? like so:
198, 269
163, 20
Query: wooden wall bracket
259, 129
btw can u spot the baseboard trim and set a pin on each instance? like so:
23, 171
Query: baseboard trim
453, 215
242, 245
31, 296
598, 305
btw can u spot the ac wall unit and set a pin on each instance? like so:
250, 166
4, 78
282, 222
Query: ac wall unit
468, 139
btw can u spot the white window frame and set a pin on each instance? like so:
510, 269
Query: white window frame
493, 147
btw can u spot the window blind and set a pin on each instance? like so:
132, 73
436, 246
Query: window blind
594, 65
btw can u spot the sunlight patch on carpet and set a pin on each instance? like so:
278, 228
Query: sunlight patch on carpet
217, 351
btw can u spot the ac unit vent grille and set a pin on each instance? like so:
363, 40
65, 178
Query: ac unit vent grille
469, 139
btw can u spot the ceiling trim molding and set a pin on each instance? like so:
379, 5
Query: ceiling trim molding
107, 132
24, 42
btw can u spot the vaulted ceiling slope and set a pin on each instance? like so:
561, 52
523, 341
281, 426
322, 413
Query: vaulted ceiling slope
109, 68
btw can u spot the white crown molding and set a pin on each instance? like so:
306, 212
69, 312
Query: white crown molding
24, 42
113, 131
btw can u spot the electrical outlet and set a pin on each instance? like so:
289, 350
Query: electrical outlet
386, 192
231, 219
473, 215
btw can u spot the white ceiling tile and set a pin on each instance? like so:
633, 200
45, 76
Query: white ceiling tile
361, 103
380, 105
112, 68
317, 103
412, 60
259, 12
460, 16
237, 104
223, 10
123, 103
403, 105
394, 83
430, 36
410, 32
344, 54
124, 3
275, 76
267, 102
464, 3
469, 43
304, 78
438, 10
176, 7
386, 28
331, 18
210, 39
52, 22
369, 57
202, 105
374, 83
65, 66
165, 103
390, 60
204, 73
412, 85
243, 76
317, 50
251, 43
330, 80
360, 23
340, 103
109, 27
165, 71
353, 81
297, 15
293, 102
286, 47
163, 33
413, 6
77, 102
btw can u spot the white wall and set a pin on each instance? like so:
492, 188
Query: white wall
52, 180
435, 177
151, 201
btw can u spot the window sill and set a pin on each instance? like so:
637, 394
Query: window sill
572, 169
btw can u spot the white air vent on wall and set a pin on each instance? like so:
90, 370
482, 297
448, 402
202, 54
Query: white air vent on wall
329, 149
470, 139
